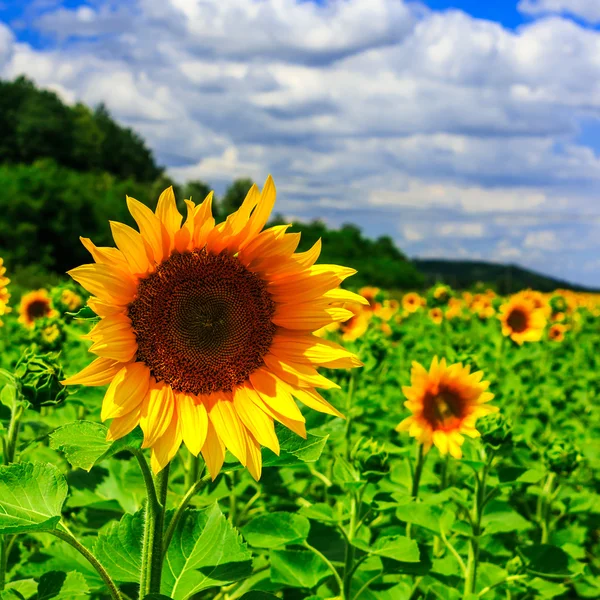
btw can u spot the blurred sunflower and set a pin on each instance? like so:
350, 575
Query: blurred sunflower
412, 302
356, 326
436, 315
445, 403
387, 310
521, 321
206, 330
370, 294
4, 294
557, 332
35, 305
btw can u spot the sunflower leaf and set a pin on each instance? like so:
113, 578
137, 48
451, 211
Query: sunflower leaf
82, 443
31, 497
276, 529
297, 568
62, 586
205, 552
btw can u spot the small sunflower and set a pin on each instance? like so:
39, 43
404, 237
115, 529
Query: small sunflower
370, 294
557, 332
412, 302
387, 310
72, 300
356, 326
521, 320
206, 331
436, 315
35, 305
445, 402
4, 294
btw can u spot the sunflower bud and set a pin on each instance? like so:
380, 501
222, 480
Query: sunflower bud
496, 430
370, 459
514, 565
562, 457
38, 379
558, 304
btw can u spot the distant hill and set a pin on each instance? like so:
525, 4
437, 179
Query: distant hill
506, 279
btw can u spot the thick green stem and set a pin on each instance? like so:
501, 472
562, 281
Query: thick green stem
152, 546
333, 570
416, 480
70, 539
193, 471
546, 509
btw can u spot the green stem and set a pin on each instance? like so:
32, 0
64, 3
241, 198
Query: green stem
510, 578
193, 471
367, 584
349, 559
152, 545
546, 509
349, 396
333, 570
71, 540
416, 481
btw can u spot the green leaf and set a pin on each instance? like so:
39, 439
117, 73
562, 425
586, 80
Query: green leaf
396, 547
430, 517
546, 589
294, 449
512, 475
256, 595
546, 559
344, 472
276, 529
62, 586
119, 548
319, 511
499, 517
24, 587
85, 313
82, 442
206, 551
297, 568
31, 497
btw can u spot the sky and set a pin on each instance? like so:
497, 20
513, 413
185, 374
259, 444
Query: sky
460, 128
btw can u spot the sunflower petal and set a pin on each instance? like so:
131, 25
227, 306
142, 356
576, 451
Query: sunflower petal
194, 422
100, 372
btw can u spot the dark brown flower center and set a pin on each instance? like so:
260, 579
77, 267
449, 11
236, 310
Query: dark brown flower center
202, 322
38, 309
443, 407
517, 320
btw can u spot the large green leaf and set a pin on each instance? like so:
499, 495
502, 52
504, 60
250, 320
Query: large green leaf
396, 547
119, 548
206, 551
31, 497
297, 568
276, 529
294, 449
545, 559
432, 517
82, 442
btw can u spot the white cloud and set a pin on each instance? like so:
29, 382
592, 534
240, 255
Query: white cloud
588, 10
542, 240
361, 110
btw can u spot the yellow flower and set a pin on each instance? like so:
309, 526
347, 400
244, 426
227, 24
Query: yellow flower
521, 321
357, 325
387, 310
206, 331
369, 293
4, 294
35, 305
71, 300
557, 332
436, 315
445, 403
411, 302
537, 299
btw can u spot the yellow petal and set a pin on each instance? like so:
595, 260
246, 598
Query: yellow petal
272, 392
193, 420
149, 225
213, 452
166, 211
254, 457
259, 424
121, 426
228, 426
126, 391
109, 284
106, 256
298, 374
104, 309
157, 411
165, 448
131, 244
100, 372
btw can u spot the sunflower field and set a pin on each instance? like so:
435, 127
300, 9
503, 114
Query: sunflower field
203, 412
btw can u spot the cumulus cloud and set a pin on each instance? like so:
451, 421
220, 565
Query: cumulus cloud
588, 10
382, 112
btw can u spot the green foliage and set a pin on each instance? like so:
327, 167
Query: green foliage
36, 124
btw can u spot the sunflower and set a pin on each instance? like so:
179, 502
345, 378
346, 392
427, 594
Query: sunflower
445, 402
436, 315
370, 293
206, 331
4, 295
35, 305
387, 310
411, 302
557, 332
521, 320
357, 325
72, 300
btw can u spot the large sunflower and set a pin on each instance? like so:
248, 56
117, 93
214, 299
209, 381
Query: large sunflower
206, 331
521, 320
4, 294
445, 403
35, 305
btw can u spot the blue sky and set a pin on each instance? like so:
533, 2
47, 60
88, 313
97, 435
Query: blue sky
464, 129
